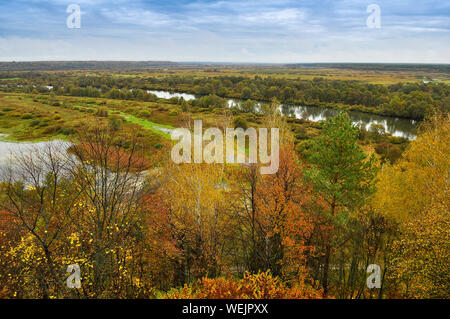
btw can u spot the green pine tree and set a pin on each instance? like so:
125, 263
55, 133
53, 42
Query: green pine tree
341, 173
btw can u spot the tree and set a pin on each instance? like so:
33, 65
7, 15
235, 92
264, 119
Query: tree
85, 207
414, 193
246, 93
42, 210
248, 106
420, 179
115, 122
240, 122
342, 174
194, 195
281, 200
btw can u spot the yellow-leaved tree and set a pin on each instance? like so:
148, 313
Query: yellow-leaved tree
414, 193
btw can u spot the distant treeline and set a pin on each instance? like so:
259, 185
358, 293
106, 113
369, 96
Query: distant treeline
139, 65
441, 68
408, 100
80, 65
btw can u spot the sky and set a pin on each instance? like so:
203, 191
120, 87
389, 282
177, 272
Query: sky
275, 31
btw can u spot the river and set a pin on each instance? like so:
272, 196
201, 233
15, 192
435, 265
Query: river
395, 126
8, 149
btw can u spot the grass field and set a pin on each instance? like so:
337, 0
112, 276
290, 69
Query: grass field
369, 76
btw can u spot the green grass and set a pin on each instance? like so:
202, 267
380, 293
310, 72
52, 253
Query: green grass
148, 124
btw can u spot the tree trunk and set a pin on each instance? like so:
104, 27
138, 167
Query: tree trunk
326, 267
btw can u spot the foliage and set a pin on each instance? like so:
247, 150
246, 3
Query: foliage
414, 192
253, 286
343, 176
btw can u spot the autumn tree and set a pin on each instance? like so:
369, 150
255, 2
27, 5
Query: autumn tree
197, 213
35, 193
414, 193
281, 198
83, 207
109, 214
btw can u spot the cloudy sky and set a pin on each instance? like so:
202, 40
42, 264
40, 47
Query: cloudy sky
412, 31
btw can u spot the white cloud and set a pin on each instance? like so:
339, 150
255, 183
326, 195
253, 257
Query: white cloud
242, 31
137, 17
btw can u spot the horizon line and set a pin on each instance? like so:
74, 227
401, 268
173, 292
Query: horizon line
233, 62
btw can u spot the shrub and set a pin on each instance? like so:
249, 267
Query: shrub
300, 133
35, 123
67, 130
240, 122
115, 122
397, 139
388, 152
52, 129
27, 116
253, 286
102, 112
145, 114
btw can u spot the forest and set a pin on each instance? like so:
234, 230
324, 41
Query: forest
108, 198
412, 100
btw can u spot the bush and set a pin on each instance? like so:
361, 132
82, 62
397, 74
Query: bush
52, 129
256, 286
27, 116
67, 130
145, 114
240, 122
102, 112
388, 152
300, 133
397, 139
35, 123
115, 122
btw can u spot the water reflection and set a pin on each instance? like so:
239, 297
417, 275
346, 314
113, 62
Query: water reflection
168, 95
9, 149
395, 126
